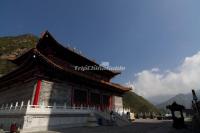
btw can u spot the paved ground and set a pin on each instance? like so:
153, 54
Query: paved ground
139, 126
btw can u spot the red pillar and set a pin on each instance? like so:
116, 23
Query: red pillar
101, 101
37, 92
72, 96
88, 98
110, 102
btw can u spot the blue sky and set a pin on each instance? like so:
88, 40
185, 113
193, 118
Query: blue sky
138, 34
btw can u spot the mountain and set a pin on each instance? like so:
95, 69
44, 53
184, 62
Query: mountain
137, 103
12, 47
183, 99
155, 100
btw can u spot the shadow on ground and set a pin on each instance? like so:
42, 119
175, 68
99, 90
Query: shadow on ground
139, 126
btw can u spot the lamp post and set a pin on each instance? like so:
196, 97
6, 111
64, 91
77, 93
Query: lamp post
195, 99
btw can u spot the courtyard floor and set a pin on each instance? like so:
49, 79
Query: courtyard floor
138, 126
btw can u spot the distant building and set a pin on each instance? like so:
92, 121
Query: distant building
188, 113
47, 75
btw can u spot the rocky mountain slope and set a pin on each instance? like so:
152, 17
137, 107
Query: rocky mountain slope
12, 47
183, 99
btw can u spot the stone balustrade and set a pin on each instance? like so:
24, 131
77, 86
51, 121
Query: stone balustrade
41, 118
34, 109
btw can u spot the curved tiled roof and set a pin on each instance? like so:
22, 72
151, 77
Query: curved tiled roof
23, 60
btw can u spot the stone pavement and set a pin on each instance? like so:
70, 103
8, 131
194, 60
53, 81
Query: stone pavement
139, 126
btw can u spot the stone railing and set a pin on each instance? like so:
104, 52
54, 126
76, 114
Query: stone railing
42, 109
38, 117
28, 109
10, 109
41, 118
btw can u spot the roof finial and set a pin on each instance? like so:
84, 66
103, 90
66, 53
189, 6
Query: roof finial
44, 33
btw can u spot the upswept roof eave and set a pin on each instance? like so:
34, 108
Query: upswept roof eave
117, 86
35, 52
46, 33
16, 71
21, 57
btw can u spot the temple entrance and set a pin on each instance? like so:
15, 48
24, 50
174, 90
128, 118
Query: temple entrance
95, 99
92, 99
105, 102
80, 97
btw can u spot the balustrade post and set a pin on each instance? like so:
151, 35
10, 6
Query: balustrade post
28, 104
6, 106
54, 105
11, 105
22, 104
73, 106
16, 105
42, 106
2, 106
65, 105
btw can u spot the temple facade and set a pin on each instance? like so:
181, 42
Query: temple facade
47, 75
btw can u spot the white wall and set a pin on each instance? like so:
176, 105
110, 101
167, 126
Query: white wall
51, 92
117, 103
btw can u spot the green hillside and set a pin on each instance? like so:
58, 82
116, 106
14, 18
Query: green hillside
137, 103
12, 47
16, 45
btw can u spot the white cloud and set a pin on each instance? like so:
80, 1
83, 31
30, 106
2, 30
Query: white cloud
153, 82
155, 69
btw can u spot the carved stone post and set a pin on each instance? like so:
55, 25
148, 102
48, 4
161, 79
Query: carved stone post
22, 104
16, 105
